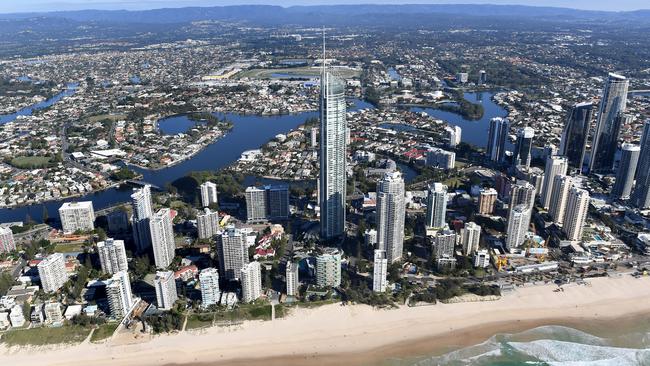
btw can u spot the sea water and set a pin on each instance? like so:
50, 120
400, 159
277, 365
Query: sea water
548, 345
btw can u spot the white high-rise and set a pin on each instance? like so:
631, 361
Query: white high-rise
522, 193
332, 155
518, 223
208, 194
291, 275
207, 223
555, 165
391, 210
255, 204
379, 271
641, 194
443, 243
328, 269
119, 295
166, 294
77, 216
142, 212
470, 237
561, 187
7, 243
436, 206
251, 281
232, 251
112, 256
162, 238
576, 213
209, 282
52, 272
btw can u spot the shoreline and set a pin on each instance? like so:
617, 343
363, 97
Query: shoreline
359, 334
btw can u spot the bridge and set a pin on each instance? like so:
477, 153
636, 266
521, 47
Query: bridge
639, 91
141, 183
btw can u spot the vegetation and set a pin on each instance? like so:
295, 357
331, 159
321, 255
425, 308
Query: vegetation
45, 336
123, 174
6, 281
31, 162
103, 332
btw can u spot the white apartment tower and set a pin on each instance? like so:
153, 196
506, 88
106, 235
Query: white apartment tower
555, 165
165, 286
209, 282
380, 271
52, 272
391, 210
255, 205
207, 223
77, 216
576, 213
470, 237
518, 223
208, 194
562, 184
162, 238
142, 212
251, 281
119, 295
233, 253
112, 256
291, 275
328, 269
436, 206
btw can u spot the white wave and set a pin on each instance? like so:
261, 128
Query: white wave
557, 353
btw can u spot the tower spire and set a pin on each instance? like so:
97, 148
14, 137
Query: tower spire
323, 66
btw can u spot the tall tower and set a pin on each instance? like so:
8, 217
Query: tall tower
496, 146
626, 169
162, 238
251, 281
641, 196
166, 294
119, 295
112, 256
522, 193
142, 212
233, 253
208, 193
332, 154
209, 282
518, 223
576, 213
470, 237
524, 145
391, 209
379, 271
608, 125
575, 135
561, 186
436, 206
555, 165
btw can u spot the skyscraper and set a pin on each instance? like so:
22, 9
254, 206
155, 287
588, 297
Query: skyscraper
162, 238
608, 124
391, 210
470, 237
518, 223
7, 243
255, 205
166, 294
626, 170
561, 186
112, 256
232, 252
332, 155
575, 135
77, 216
208, 194
436, 206
496, 146
379, 271
251, 281
524, 145
328, 269
209, 282
267, 203
486, 200
207, 223
142, 212
443, 243
291, 276
52, 273
522, 193
576, 213
641, 196
119, 295
555, 165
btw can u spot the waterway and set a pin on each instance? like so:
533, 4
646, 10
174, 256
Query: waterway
28, 111
474, 132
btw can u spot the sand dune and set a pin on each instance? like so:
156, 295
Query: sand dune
335, 334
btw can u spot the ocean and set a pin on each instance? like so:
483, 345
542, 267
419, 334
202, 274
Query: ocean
552, 346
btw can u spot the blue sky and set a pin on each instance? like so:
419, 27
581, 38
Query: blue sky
10, 6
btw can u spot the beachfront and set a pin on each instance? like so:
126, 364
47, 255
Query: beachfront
359, 334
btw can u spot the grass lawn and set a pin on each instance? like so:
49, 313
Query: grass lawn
30, 162
198, 321
103, 331
68, 247
44, 336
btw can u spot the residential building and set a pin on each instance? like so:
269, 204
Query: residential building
255, 205
443, 243
442, 159
232, 251
267, 203
209, 282
292, 279
522, 155
522, 193
454, 134
166, 294
16, 316
486, 200
77, 216
497, 135
391, 211
576, 213
481, 259
162, 238
112, 256
518, 223
52, 273
251, 281
641, 194
575, 135
555, 165
380, 271
207, 223
608, 124
53, 313
470, 237
142, 212
119, 295
626, 171
561, 187
436, 206
7, 243
328, 269
208, 194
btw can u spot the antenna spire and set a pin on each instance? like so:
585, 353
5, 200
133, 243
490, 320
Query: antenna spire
323, 51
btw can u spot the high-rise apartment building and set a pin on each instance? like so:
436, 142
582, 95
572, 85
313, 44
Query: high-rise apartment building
555, 165
166, 294
562, 184
77, 216
328, 269
162, 238
208, 194
251, 281
7, 243
267, 203
142, 212
518, 223
576, 213
380, 271
522, 153
112, 256
470, 237
641, 194
443, 243
209, 283
575, 135
496, 146
391, 210
119, 295
207, 223
436, 206
626, 171
232, 251
291, 276
52, 273
486, 200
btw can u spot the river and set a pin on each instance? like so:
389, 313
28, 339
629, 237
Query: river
28, 111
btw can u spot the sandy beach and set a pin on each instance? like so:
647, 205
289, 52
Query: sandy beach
357, 335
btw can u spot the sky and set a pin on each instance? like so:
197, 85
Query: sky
12, 6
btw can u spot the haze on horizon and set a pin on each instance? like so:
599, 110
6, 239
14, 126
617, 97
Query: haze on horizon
12, 6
